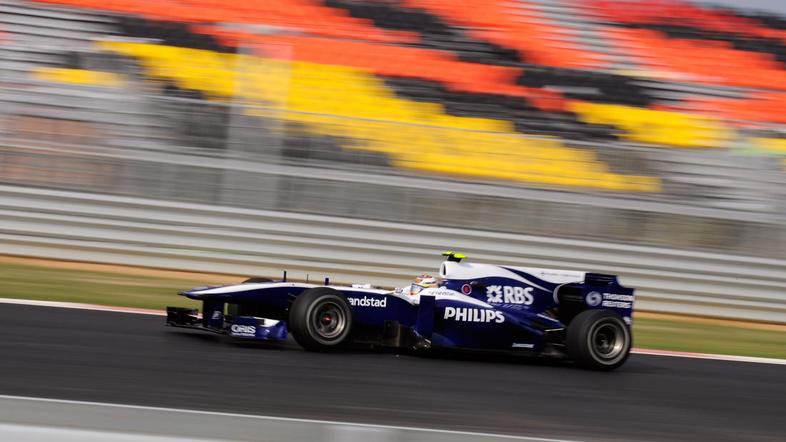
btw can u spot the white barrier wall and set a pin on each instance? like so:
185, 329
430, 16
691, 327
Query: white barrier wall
89, 227
43, 420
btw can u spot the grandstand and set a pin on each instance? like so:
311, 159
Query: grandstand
649, 106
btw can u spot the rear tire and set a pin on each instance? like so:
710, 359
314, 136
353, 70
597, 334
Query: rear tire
320, 319
598, 340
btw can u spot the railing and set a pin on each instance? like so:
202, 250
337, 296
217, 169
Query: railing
140, 142
123, 230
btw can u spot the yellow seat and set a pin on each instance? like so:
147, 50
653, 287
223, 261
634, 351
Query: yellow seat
352, 104
78, 76
771, 145
656, 127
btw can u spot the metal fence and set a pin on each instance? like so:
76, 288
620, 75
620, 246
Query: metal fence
157, 141
68, 225
267, 163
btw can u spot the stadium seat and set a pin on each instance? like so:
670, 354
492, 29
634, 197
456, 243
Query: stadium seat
656, 127
495, 21
306, 15
775, 146
700, 61
756, 108
676, 12
349, 103
508, 70
78, 76
391, 61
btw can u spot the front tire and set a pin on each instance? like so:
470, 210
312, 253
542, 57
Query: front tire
320, 319
598, 340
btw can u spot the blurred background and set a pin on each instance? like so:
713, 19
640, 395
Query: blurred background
648, 122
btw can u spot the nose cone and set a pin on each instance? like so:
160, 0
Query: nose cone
198, 292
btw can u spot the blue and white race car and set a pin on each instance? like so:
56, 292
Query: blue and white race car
585, 317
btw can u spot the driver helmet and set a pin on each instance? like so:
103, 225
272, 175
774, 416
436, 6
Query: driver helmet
423, 281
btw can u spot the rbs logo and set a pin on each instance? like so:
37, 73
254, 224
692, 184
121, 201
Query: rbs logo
498, 294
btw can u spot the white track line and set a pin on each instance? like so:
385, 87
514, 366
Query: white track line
686, 354
80, 306
640, 351
33, 433
284, 419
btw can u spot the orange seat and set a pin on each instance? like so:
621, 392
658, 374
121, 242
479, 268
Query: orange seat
700, 61
496, 21
398, 61
763, 106
671, 12
304, 15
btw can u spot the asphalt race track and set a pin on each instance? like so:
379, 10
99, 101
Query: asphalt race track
133, 359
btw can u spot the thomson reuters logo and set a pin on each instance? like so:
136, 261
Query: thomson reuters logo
593, 299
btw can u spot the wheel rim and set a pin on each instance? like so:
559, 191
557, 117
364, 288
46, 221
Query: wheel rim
607, 341
328, 320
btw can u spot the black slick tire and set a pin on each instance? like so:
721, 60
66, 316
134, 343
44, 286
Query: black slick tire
598, 340
320, 319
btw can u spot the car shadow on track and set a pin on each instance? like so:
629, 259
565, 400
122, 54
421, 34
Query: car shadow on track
493, 357
635, 365
221, 339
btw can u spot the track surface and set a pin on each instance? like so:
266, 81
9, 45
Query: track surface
134, 359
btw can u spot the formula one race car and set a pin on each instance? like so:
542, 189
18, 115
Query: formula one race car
585, 317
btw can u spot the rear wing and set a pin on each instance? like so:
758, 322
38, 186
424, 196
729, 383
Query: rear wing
598, 291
